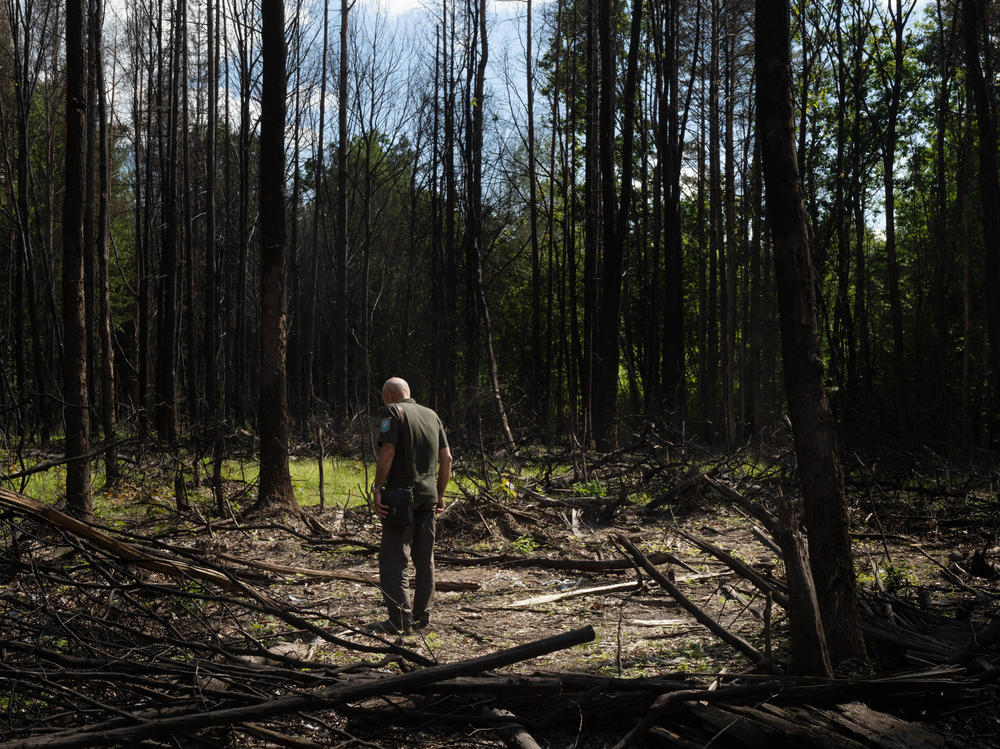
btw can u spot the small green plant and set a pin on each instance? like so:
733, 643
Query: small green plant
524, 545
896, 576
590, 489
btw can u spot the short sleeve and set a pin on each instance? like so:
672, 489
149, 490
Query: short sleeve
388, 426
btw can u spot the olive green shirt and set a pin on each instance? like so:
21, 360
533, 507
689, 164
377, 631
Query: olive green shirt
418, 436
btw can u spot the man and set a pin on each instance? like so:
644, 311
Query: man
413, 453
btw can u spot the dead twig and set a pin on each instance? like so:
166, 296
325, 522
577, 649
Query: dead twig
580, 592
733, 640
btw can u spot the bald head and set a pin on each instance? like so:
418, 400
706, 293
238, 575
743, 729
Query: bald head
394, 390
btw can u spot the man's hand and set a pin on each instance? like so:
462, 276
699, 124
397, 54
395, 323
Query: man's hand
443, 477
383, 461
380, 509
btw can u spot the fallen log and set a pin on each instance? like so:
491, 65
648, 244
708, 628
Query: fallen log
127, 553
749, 727
514, 734
811, 692
759, 534
62, 460
565, 682
884, 729
579, 565
330, 697
981, 641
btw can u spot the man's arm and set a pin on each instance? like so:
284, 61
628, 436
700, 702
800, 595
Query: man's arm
444, 475
383, 462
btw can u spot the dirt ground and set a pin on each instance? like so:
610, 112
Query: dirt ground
641, 632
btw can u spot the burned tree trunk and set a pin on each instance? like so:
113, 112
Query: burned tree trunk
275, 482
105, 325
78, 498
812, 420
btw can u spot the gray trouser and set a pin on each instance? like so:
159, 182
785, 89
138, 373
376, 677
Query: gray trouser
399, 544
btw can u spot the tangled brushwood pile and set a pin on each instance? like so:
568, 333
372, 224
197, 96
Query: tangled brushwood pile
592, 617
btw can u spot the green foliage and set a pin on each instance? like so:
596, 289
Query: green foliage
895, 577
409, 297
639, 499
524, 545
594, 488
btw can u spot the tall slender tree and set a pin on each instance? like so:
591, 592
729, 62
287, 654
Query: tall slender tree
730, 245
715, 227
670, 143
319, 205
340, 252
614, 216
275, 480
813, 427
592, 214
166, 329
77, 419
28, 24
605, 396
105, 323
212, 390
536, 361
898, 15
973, 24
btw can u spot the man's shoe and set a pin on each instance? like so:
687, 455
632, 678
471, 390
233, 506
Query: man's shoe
421, 621
387, 627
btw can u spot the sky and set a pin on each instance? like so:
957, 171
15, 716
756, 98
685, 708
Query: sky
396, 7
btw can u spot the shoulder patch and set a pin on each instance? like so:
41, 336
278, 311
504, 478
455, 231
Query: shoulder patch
384, 426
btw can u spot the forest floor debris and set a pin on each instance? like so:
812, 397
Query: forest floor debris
250, 632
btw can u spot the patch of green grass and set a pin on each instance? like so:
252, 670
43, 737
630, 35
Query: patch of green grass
344, 479
45, 486
345, 482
